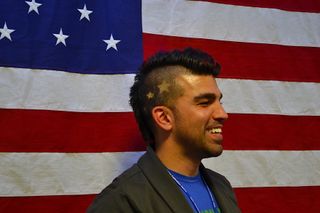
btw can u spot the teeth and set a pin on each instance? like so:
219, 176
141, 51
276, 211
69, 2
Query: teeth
216, 130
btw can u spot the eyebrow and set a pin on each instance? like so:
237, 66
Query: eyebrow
209, 96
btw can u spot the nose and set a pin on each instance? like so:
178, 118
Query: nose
219, 113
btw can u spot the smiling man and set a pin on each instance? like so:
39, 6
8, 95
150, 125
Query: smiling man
177, 105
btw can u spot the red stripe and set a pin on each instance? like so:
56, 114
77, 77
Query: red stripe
251, 200
271, 132
46, 204
291, 5
55, 131
248, 60
52, 131
279, 199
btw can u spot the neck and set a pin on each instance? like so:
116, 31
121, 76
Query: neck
174, 159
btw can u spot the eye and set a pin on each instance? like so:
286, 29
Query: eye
204, 103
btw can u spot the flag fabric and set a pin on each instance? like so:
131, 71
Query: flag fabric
66, 68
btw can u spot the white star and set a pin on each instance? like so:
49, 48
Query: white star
61, 38
85, 13
112, 43
5, 32
33, 6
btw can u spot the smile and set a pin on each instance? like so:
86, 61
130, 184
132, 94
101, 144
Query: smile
215, 130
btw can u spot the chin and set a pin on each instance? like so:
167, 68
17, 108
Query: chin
213, 153
217, 153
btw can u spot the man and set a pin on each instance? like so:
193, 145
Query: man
177, 104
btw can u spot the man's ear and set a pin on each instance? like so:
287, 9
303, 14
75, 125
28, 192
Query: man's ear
163, 117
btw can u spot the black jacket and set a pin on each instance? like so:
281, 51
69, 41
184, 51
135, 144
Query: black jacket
148, 188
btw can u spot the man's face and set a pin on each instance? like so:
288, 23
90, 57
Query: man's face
199, 116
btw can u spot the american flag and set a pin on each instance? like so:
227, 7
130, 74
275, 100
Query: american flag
65, 72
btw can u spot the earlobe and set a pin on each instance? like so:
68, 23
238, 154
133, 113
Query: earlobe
163, 117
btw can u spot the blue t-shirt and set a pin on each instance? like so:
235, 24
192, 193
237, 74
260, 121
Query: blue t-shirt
194, 188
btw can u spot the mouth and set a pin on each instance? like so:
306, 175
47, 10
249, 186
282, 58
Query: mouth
215, 133
215, 130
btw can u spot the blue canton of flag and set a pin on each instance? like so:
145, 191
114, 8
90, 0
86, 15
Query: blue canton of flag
91, 37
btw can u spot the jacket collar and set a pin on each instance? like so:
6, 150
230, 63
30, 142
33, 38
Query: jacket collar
159, 178
161, 181
219, 194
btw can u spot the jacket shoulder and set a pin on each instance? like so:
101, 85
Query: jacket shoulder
116, 196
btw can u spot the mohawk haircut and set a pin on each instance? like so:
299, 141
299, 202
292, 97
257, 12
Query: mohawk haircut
154, 85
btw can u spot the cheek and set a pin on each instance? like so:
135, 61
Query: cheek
195, 122
192, 117
201, 116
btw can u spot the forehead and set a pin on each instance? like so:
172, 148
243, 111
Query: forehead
194, 85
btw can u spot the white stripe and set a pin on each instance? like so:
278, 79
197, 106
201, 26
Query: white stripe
268, 168
26, 174
23, 174
270, 97
54, 90
232, 23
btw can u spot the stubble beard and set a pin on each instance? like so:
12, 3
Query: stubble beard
197, 147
